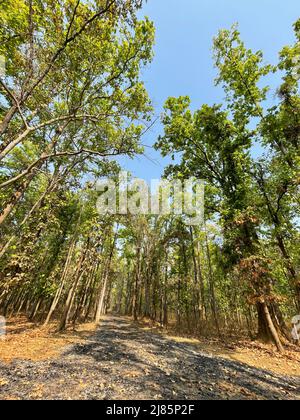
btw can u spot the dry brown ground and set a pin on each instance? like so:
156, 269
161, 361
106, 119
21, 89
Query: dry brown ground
27, 341
121, 359
252, 353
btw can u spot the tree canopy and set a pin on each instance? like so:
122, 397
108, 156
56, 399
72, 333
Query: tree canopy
71, 101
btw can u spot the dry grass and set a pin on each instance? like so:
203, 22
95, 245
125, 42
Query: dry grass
27, 341
251, 353
266, 356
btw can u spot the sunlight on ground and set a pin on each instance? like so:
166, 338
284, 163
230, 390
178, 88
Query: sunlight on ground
26, 341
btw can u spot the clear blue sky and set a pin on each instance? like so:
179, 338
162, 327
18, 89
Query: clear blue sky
183, 53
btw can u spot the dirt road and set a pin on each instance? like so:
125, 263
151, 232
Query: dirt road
124, 361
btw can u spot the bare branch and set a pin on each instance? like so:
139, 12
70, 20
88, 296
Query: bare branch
13, 97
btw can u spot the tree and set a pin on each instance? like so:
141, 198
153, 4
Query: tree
215, 143
76, 91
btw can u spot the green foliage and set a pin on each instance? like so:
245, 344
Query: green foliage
255, 201
72, 100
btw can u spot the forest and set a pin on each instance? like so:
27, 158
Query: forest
72, 101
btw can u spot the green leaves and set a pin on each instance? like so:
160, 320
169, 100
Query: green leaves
256, 203
240, 72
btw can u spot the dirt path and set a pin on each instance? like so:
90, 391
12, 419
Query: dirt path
124, 361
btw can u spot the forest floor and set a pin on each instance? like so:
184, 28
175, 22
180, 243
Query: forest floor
126, 360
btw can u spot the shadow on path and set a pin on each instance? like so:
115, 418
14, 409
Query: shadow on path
123, 361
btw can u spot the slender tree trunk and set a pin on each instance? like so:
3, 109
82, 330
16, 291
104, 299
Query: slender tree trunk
120, 297
137, 283
293, 275
62, 282
212, 286
199, 297
36, 309
204, 311
166, 318
129, 297
72, 291
100, 306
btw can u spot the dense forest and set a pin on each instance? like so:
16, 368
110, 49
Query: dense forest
72, 100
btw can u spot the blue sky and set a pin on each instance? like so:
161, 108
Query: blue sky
183, 53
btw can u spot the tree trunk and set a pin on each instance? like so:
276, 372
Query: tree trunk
212, 286
266, 329
293, 275
272, 328
137, 284
72, 291
100, 306
62, 282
